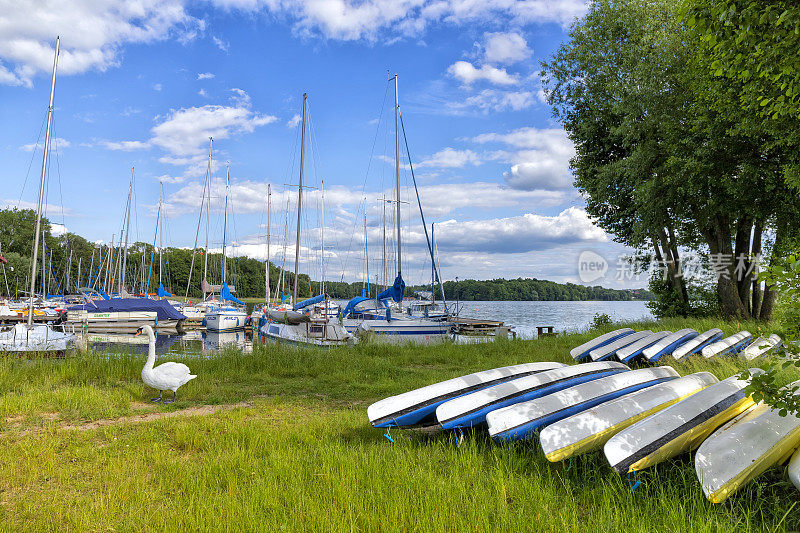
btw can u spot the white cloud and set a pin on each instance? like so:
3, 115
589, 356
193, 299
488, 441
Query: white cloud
542, 161
156, 86
55, 143
222, 45
92, 33
125, 146
57, 230
489, 100
375, 19
203, 93
450, 158
294, 121
468, 74
505, 48
205, 76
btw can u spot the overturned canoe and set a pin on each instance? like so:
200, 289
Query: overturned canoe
413, 407
744, 448
610, 350
668, 344
471, 409
520, 421
761, 347
729, 345
590, 430
632, 351
794, 469
678, 428
698, 343
582, 352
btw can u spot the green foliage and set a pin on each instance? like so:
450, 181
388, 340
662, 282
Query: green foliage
702, 300
531, 289
601, 320
784, 275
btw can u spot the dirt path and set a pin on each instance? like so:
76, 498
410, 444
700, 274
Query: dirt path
199, 410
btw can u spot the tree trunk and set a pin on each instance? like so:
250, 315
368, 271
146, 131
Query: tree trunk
674, 275
718, 238
768, 302
681, 280
755, 307
741, 253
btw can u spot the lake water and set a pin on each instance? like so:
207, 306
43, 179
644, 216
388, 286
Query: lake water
524, 317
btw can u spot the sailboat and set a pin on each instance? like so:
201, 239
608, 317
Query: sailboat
232, 315
367, 317
30, 337
297, 325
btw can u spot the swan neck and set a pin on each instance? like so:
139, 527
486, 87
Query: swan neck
151, 350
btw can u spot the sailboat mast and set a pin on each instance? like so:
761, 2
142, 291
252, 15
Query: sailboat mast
366, 250
225, 222
208, 213
269, 217
299, 200
322, 238
41, 186
160, 236
127, 230
397, 170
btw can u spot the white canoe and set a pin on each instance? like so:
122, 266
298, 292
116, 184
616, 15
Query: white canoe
632, 351
610, 350
794, 469
520, 421
582, 351
413, 407
761, 347
668, 344
698, 343
731, 344
590, 430
471, 409
744, 448
678, 428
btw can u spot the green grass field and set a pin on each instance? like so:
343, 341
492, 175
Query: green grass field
279, 440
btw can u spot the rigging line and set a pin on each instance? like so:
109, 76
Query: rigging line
30, 163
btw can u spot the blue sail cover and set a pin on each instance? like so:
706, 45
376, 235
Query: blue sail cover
104, 294
352, 305
395, 292
310, 301
162, 292
225, 292
162, 307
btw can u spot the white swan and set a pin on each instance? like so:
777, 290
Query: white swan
166, 376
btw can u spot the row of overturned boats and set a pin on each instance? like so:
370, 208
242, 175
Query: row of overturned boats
50, 323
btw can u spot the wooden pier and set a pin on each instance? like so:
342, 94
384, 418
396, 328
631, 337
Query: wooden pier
475, 326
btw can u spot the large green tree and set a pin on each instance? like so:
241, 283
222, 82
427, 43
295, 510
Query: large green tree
661, 170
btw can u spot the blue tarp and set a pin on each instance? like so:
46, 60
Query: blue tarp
352, 304
162, 307
162, 292
225, 292
103, 294
395, 292
310, 301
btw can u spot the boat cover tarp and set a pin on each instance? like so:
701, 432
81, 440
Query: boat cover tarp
162, 292
226, 295
104, 294
352, 305
310, 301
395, 292
123, 305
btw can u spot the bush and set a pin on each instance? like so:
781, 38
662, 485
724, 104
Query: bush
601, 320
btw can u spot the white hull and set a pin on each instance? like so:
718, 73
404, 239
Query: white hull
308, 333
225, 320
697, 344
39, 338
400, 331
582, 351
794, 469
610, 349
734, 343
761, 347
112, 321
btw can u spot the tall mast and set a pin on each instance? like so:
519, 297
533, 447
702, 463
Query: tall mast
160, 236
383, 274
322, 237
397, 171
41, 186
269, 216
208, 213
127, 230
366, 251
299, 200
225, 223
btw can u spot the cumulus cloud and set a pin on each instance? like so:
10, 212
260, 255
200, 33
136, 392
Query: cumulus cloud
542, 159
489, 100
205, 76
125, 146
92, 33
468, 74
57, 230
294, 121
55, 143
451, 158
505, 48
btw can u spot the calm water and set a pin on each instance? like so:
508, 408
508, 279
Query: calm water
564, 316
524, 317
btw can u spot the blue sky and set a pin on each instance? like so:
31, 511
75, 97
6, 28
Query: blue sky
146, 83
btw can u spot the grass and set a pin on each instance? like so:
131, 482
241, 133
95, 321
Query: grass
301, 456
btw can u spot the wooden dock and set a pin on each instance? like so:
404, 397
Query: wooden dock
475, 326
